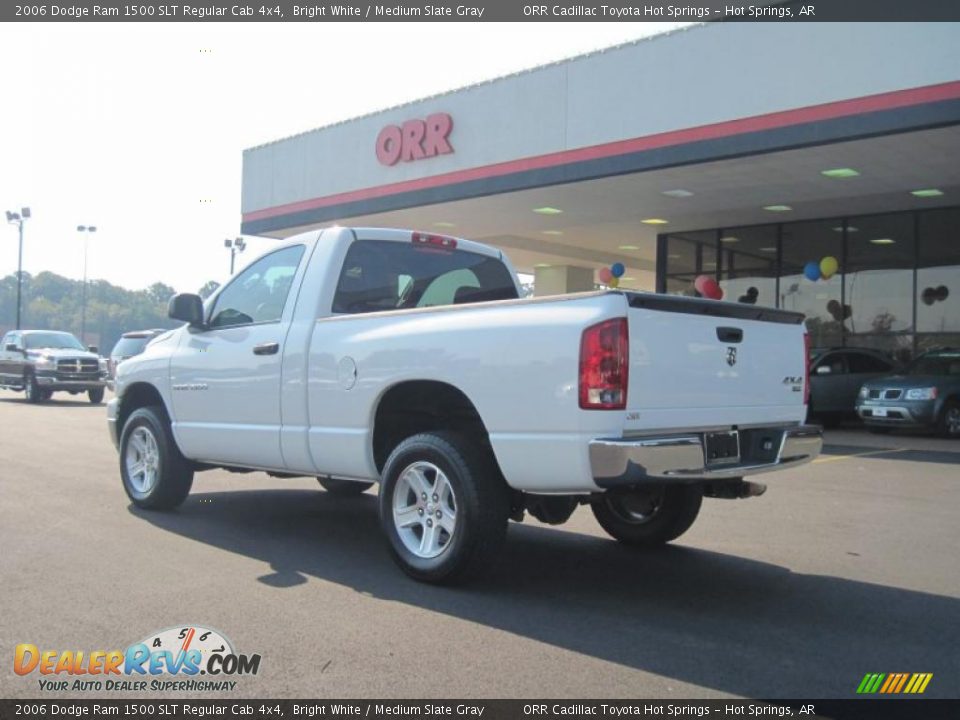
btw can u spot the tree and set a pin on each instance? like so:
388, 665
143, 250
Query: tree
209, 288
160, 292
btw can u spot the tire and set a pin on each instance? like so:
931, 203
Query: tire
155, 474
948, 425
32, 390
344, 488
457, 536
649, 518
96, 396
46, 395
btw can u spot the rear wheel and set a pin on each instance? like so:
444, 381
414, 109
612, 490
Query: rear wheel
443, 507
649, 517
343, 488
96, 396
155, 474
949, 423
32, 390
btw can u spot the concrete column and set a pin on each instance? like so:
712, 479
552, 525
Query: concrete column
559, 279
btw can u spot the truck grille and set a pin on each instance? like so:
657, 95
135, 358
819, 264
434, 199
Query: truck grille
78, 368
892, 394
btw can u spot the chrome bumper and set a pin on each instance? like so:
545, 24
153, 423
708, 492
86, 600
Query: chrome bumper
682, 458
112, 407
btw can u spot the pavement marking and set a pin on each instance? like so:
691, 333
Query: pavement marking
834, 458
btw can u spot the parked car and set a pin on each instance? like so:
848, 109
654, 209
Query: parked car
836, 376
129, 344
371, 355
42, 362
926, 394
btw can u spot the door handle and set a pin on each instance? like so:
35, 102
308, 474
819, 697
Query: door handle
267, 348
729, 334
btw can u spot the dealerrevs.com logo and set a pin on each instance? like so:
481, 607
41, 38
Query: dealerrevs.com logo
189, 657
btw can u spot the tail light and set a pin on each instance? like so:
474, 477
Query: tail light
604, 365
806, 366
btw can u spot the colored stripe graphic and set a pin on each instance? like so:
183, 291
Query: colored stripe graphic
894, 683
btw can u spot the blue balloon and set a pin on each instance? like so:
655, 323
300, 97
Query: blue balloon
812, 270
617, 269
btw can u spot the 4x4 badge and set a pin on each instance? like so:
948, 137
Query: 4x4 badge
731, 356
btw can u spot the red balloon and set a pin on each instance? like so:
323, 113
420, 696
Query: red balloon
701, 284
604, 274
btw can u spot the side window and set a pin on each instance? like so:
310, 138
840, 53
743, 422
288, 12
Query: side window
259, 293
836, 363
862, 363
452, 287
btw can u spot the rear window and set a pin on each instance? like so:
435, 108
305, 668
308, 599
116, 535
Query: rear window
127, 347
382, 275
941, 363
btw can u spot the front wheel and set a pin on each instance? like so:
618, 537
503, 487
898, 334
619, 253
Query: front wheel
443, 507
155, 475
949, 424
343, 488
95, 395
32, 389
649, 517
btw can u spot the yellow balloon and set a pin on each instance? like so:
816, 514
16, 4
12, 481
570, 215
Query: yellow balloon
613, 282
829, 267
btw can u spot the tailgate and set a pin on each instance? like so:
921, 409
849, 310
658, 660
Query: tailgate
703, 363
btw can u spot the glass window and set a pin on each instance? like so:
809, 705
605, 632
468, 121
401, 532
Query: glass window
820, 300
749, 265
52, 341
688, 255
938, 274
864, 363
384, 275
879, 273
128, 347
259, 293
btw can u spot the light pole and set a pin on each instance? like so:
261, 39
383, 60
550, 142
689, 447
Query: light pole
87, 229
18, 218
236, 246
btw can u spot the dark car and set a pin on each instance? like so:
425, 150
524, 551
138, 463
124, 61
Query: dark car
130, 344
926, 394
42, 362
836, 376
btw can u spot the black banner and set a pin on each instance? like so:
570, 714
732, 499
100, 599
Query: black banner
481, 11
854, 709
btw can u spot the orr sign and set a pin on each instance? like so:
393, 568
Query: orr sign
415, 140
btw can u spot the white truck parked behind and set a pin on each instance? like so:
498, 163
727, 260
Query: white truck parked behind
364, 356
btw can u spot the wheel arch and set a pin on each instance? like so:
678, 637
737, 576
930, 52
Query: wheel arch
414, 406
136, 396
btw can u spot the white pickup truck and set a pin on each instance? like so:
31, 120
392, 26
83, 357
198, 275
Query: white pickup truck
364, 356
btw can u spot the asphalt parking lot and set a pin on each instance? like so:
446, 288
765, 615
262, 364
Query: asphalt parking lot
844, 567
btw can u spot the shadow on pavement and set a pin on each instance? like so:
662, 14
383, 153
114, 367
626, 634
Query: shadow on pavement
718, 621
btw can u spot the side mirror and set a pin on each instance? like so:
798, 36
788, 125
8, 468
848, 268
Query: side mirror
824, 370
11, 347
187, 307
94, 349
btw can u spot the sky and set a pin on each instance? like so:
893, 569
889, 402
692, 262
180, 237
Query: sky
139, 129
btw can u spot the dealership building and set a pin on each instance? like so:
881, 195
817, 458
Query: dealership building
808, 166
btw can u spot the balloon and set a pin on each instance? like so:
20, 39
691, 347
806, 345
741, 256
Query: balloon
709, 288
605, 275
617, 269
941, 293
833, 307
812, 271
829, 267
700, 284
929, 296
613, 282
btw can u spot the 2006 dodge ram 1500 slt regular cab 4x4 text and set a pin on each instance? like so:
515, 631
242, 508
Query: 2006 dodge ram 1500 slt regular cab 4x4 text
408, 359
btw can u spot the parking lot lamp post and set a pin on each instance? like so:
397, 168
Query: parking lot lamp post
86, 229
235, 246
18, 218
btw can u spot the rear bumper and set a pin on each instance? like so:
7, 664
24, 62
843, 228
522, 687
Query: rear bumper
682, 459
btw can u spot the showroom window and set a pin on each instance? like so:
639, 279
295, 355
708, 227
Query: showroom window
938, 272
808, 245
748, 264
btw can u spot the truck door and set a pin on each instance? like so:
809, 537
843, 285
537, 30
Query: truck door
225, 379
